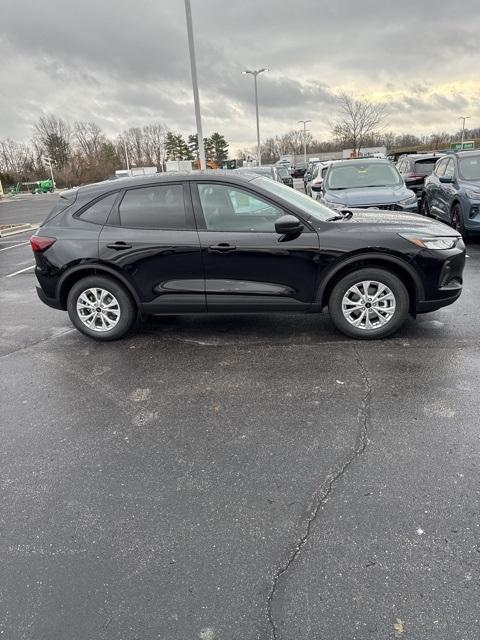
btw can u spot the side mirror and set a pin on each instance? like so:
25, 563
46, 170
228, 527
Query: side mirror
288, 226
446, 180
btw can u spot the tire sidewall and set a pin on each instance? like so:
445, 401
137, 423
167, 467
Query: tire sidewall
457, 212
127, 307
383, 276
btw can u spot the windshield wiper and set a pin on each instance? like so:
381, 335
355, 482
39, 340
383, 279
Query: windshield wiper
345, 214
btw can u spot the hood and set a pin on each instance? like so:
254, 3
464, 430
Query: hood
369, 195
397, 221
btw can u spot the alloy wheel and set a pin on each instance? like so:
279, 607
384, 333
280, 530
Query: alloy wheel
368, 305
98, 309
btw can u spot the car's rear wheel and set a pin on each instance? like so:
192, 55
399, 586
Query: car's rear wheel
101, 308
457, 221
424, 206
369, 304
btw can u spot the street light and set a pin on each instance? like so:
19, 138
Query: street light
196, 97
304, 138
49, 162
255, 73
464, 118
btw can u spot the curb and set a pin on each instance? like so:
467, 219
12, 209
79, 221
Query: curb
17, 228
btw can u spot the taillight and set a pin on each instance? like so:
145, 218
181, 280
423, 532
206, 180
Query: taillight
413, 176
40, 243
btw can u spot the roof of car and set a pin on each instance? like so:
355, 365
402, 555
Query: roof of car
423, 156
171, 176
361, 161
470, 152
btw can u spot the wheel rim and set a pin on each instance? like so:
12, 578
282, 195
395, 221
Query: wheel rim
456, 220
98, 309
368, 305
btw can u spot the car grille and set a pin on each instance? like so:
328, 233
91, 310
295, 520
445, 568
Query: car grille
385, 207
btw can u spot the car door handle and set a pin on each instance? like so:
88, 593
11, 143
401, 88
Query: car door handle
119, 245
223, 247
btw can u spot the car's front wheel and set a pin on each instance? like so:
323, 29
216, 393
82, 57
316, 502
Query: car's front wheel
457, 221
101, 308
369, 304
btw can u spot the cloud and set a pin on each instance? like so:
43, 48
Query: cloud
125, 65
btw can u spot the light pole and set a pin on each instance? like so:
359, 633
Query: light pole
255, 73
464, 118
126, 155
196, 97
48, 161
304, 138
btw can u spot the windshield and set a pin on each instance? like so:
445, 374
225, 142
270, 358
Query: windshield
301, 200
425, 167
364, 174
469, 168
283, 172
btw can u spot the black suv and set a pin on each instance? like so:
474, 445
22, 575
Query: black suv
415, 168
226, 243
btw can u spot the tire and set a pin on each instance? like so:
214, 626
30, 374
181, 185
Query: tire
392, 309
425, 207
119, 310
456, 220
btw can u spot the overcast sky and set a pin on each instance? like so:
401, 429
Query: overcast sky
126, 64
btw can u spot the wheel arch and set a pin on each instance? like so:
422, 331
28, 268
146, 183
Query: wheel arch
75, 274
373, 260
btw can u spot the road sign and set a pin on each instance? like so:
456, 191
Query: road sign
457, 146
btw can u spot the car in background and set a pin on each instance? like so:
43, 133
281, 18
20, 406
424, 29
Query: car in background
202, 242
263, 170
281, 173
452, 192
367, 183
298, 170
415, 168
314, 186
307, 176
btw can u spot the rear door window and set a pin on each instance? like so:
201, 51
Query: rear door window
154, 207
424, 167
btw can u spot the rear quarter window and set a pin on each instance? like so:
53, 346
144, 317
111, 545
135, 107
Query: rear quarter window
98, 211
63, 202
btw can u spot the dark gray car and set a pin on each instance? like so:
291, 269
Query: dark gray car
367, 182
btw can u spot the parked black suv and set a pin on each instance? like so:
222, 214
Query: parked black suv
415, 168
212, 242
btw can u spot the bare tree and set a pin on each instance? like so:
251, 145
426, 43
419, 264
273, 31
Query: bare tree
154, 137
89, 138
358, 120
15, 158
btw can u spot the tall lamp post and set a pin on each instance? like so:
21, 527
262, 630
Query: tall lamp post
255, 73
196, 97
464, 118
305, 122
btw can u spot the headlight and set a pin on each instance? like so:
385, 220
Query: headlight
474, 195
447, 242
408, 201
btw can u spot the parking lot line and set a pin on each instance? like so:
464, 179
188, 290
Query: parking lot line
10, 275
21, 244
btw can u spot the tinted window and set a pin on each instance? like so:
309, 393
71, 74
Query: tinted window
470, 167
368, 174
62, 203
230, 209
154, 207
309, 206
99, 210
425, 167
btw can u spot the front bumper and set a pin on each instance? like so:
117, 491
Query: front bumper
425, 306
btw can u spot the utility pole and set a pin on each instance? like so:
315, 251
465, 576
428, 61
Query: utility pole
48, 161
255, 73
304, 138
464, 118
196, 97
126, 156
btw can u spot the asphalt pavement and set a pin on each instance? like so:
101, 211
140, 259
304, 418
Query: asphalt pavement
236, 478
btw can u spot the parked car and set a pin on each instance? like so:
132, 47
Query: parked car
282, 174
452, 192
315, 172
365, 183
307, 176
415, 168
299, 169
232, 243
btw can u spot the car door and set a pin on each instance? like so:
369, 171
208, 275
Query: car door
247, 265
432, 188
151, 239
446, 190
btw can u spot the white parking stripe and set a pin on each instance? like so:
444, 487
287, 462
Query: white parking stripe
14, 245
10, 275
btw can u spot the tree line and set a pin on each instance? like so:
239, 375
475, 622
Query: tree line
83, 153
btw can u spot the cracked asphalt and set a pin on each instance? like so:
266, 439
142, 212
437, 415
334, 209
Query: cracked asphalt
256, 477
